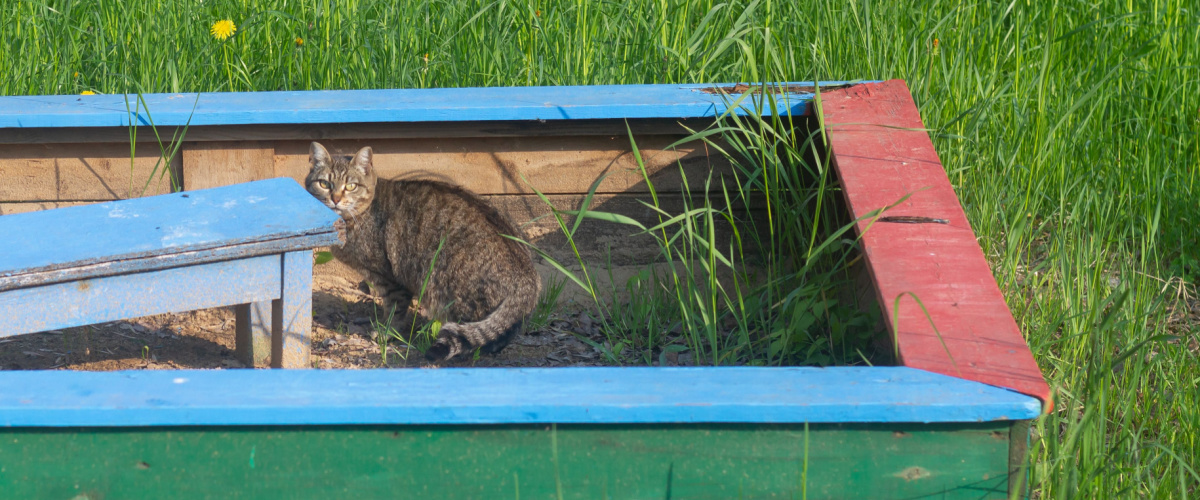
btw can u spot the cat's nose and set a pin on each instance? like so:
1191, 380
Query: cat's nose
337, 197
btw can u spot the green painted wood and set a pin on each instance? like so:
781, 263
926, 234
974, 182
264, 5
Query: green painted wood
1018, 458
877, 461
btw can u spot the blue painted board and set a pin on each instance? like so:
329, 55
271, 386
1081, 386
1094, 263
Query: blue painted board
86, 302
500, 395
273, 210
378, 106
294, 313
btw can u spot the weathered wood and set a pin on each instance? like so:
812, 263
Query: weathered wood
390, 105
214, 164
252, 333
291, 315
877, 462
140, 264
1018, 458
882, 153
87, 302
70, 242
500, 395
34, 206
599, 241
360, 131
503, 165
54, 172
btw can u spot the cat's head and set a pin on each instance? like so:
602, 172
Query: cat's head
344, 183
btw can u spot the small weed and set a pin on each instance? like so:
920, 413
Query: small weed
546, 305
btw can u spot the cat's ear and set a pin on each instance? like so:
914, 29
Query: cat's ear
362, 160
318, 155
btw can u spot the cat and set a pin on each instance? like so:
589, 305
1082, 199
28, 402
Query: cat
483, 286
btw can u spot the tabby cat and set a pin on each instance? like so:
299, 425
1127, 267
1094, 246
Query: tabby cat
482, 286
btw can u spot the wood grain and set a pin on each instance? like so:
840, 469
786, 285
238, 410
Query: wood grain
291, 315
552, 103
54, 172
270, 216
214, 164
333, 131
600, 241
86, 302
502, 165
35, 206
876, 462
252, 333
882, 154
453, 396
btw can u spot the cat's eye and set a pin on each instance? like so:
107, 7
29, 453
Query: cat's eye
323, 184
351, 186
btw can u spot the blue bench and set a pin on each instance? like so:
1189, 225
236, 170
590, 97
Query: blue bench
247, 245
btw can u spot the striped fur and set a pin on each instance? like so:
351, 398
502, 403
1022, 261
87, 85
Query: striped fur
481, 285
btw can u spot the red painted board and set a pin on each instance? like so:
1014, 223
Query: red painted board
881, 153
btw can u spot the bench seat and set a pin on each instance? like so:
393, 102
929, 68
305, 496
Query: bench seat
247, 245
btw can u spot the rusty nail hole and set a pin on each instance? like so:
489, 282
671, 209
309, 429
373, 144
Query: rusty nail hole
997, 435
142, 466
899, 434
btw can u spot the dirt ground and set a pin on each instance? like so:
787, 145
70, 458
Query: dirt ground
344, 336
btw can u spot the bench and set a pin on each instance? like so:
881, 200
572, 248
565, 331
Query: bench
247, 245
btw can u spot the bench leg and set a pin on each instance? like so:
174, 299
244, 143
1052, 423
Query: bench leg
292, 314
253, 333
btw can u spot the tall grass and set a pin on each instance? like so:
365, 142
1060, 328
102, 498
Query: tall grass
1069, 128
776, 293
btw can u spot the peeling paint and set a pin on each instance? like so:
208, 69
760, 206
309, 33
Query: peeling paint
913, 473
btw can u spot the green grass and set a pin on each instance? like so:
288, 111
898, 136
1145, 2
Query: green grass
1070, 130
775, 293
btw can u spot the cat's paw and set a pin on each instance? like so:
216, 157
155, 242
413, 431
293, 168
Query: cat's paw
448, 346
437, 352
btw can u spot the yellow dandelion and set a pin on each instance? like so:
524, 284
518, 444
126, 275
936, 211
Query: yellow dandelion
87, 92
76, 74
299, 41
223, 29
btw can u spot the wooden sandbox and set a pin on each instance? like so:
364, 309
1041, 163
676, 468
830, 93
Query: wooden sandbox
950, 422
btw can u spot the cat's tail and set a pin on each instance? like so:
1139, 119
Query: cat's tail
491, 334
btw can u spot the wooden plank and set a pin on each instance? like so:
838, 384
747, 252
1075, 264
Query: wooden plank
500, 395
125, 266
63, 305
391, 105
34, 206
61, 172
550, 164
609, 242
1018, 458
963, 461
333, 131
882, 154
74, 237
252, 333
291, 315
213, 164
